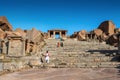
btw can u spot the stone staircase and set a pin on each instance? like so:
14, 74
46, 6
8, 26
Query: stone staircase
81, 54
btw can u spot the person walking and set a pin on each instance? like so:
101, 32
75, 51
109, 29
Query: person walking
47, 57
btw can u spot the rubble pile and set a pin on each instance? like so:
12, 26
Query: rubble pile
106, 32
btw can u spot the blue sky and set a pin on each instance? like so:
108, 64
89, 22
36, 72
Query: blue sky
72, 15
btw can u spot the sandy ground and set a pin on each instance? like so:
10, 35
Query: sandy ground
64, 74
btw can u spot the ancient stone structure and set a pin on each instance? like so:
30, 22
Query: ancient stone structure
107, 27
117, 30
2, 34
34, 41
82, 35
13, 44
4, 24
16, 46
61, 33
81, 54
22, 32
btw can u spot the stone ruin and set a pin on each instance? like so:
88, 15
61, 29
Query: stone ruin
4, 24
106, 32
17, 47
21, 48
20, 43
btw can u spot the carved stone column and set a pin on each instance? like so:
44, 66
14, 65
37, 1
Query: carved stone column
60, 34
4, 48
23, 47
53, 34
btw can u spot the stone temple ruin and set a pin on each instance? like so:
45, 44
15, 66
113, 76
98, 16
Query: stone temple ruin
61, 33
21, 49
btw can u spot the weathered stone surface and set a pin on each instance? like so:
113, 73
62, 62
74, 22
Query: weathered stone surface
104, 37
11, 34
98, 32
2, 56
117, 30
34, 42
4, 24
16, 48
107, 27
22, 32
81, 35
1, 66
35, 62
34, 35
113, 40
2, 34
75, 54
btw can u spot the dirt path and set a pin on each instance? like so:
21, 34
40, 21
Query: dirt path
64, 74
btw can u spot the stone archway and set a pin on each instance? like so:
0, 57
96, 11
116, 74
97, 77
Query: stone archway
61, 33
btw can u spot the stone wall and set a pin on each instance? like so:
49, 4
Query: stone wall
1, 66
16, 48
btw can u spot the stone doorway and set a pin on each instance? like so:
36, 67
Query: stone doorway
57, 36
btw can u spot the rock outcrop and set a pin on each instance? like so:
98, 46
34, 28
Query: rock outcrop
82, 35
34, 41
98, 32
2, 34
4, 24
107, 27
22, 32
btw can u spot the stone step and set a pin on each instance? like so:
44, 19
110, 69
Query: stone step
79, 54
88, 65
59, 54
74, 60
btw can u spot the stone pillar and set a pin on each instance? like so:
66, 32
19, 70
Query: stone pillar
23, 48
4, 48
1, 66
91, 36
49, 34
54, 35
9, 47
34, 48
27, 47
60, 34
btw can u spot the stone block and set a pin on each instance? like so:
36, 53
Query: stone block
2, 56
1, 66
16, 48
8, 66
34, 62
81, 65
